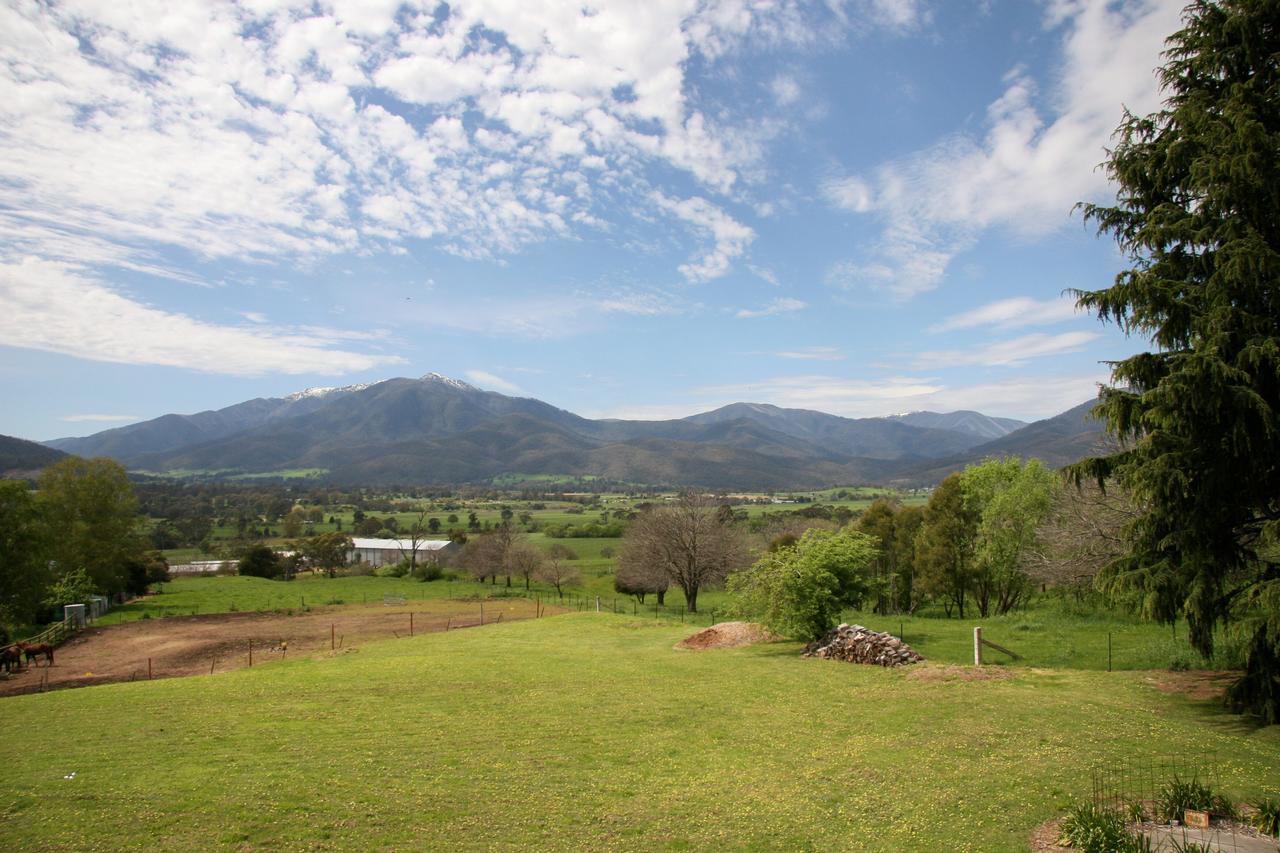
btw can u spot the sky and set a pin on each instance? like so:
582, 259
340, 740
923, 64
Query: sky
625, 209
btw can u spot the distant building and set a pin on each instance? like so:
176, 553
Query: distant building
203, 567
383, 552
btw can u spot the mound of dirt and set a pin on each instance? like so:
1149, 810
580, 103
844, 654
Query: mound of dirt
727, 635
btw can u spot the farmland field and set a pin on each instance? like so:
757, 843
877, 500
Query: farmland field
590, 730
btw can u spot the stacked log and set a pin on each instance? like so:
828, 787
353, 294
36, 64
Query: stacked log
856, 644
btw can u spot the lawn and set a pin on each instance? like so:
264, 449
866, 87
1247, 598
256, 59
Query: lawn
588, 731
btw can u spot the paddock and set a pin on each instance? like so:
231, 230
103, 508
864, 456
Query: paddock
181, 646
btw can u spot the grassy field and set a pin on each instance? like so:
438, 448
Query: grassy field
588, 731
1043, 636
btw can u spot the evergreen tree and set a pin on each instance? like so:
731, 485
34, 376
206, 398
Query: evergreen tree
1198, 216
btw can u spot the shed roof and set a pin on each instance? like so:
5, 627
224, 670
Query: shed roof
401, 544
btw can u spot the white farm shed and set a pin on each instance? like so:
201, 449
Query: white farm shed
384, 552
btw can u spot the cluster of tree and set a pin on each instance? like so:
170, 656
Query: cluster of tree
970, 545
78, 534
588, 530
505, 551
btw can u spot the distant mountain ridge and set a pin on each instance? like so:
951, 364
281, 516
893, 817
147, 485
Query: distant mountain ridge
974, 423
440, 430
21, 458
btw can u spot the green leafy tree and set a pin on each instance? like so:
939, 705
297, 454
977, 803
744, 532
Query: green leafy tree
327, 551
91, 508
73, 587
906, 528
1010, 500
24, 554
878, 521
1198, 216
799, 590
260, 562
945, 545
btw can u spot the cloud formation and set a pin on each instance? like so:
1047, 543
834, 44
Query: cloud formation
1035, 160
1011, 353
261, 129
1011, 314
55, 307
781, 305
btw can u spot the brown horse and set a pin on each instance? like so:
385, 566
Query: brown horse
10, 659
34, 650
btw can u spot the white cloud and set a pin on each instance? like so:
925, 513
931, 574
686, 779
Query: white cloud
730, 237
1023, 397
1030, 398
848, 193
263, 129
1037, 158
103, 419
785, 90
780, 305
54, 307
764, 274
813, 354
1011, 353
1011, 314
254, 316
485, 379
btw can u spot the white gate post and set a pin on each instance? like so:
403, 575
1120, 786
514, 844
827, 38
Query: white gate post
977, 647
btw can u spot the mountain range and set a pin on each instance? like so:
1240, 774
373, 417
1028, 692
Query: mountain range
437, 430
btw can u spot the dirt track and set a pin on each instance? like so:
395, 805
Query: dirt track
195, 645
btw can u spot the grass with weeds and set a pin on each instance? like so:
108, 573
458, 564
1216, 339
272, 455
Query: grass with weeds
586, 730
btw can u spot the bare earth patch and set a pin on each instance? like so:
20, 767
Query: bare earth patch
1202, 684
1045, 839
727, 635
931, 673
199, 645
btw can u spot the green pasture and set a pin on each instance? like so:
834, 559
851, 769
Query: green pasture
188, 596
588, 731
1046, 634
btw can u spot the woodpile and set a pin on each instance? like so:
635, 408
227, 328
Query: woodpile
856, 644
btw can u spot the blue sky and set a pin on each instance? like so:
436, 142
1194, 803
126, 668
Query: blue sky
625, 209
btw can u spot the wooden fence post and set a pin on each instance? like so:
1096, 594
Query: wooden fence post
977, 647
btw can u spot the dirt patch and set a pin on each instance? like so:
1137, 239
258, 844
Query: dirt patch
727, 635
931, 673
200, 645
1200, 685
1045, 839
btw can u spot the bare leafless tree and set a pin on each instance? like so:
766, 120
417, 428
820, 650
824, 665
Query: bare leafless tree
690, 541
558, 573
1085, 530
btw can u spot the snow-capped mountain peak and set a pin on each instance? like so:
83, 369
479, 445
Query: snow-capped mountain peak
445, 380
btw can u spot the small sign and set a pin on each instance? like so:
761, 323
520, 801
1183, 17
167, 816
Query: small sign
1197, 819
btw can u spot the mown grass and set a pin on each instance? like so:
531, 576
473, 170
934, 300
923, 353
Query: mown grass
586, 731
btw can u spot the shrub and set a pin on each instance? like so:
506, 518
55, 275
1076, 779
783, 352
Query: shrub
1094, 829
428, 571
1266, 817
1178, 795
